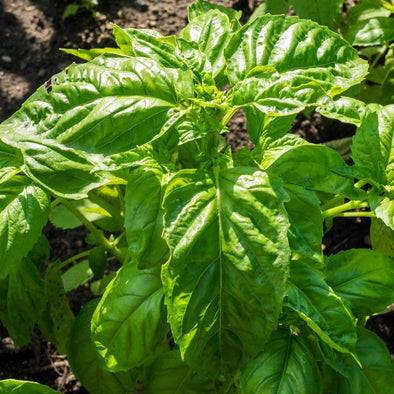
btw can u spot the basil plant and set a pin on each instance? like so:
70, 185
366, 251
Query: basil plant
221, 283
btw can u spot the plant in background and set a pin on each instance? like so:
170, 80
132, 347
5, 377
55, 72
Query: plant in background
222, 285
74, 8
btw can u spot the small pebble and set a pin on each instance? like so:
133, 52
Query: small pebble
6, 59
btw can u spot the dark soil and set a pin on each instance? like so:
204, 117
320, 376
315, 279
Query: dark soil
31, 33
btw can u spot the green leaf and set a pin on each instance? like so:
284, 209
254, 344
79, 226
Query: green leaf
321, 11
345, 109
82, 357
77, 275
59, 308
90, 54
211, 31
169, 374
26, 301
14, 386
146, 43
98, 260
201, 7
270, 7
383, 206
377, 372
366, 9
324, 312
286, 366
306, 228
388, 88
372, 147
294, 47
374, 31
224, 283
382, 237
364, 278
313, 167
101, 107
144, 217
24, 211
129, 324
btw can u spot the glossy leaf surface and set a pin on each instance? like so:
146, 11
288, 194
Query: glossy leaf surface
84, 361
24, 210
364, 278
323, 311
224, 283
286, 366
129, 324
24, 387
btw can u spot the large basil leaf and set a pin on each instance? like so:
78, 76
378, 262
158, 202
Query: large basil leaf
324, 12
84, 362
313, 167
168, 374
144, 217
294, 47
286, 366
375, 375
106, 106
364, 278
323, 311
24, 209
224, 283
129, 323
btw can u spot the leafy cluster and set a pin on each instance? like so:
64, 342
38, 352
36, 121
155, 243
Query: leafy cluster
222, 285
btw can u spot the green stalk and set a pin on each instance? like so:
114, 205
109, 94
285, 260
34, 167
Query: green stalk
74, 258
112, 211
101, 239
367, 214
333, 212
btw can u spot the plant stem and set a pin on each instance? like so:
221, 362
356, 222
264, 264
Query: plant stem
226, 118
112, 211
366, 214
344, 207
74, 258
379, 55
102, 240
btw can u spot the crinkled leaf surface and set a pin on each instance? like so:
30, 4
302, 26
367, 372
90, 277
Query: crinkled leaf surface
364, 278
129, 323
323, 311
224, 282
286, 366
24, 209
313, 167
294, 47
84, 362
144, 217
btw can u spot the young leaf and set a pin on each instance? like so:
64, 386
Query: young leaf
323, 311
82, 357
129, 324
364, 278
144, 217
77, 275
372, 147
295, 47
224, 283
287, 365
24, 209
